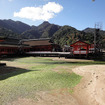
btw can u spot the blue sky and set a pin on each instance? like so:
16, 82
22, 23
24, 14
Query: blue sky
76, 13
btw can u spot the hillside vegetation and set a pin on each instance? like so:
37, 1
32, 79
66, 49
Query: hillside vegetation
46, 79
59, 34
31, 75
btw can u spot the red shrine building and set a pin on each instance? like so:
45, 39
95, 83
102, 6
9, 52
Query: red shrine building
81, 48
41, 45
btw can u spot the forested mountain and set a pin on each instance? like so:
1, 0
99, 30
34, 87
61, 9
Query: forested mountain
89, 30
8, 33
45, 30
67, 35
62, 35
15, 26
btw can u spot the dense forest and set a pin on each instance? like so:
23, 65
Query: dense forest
62, 35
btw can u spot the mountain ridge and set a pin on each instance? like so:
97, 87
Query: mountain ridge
62, 35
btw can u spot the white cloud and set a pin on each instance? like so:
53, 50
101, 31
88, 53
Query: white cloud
44, 12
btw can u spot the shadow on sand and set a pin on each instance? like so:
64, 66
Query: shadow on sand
6, 72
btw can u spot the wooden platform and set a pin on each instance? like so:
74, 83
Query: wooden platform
48, 53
